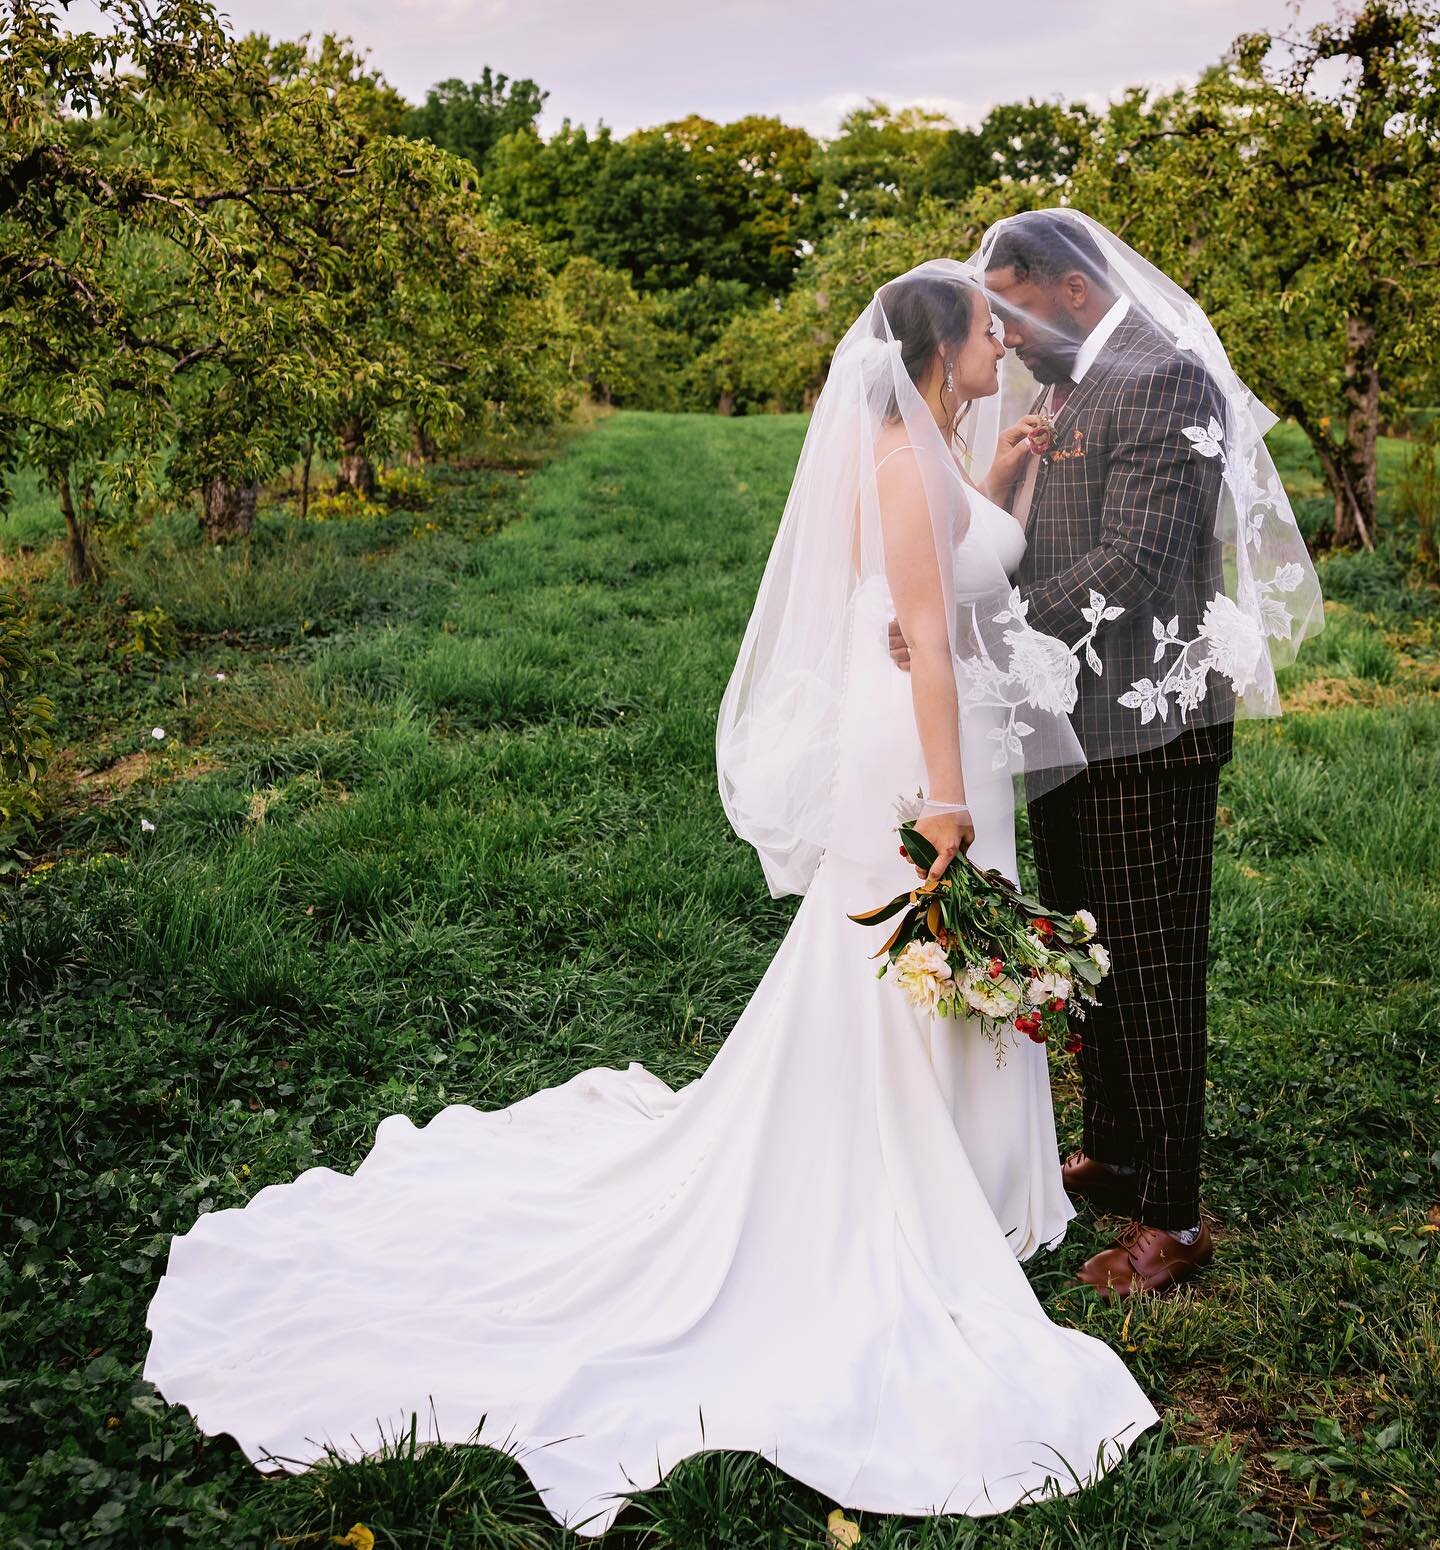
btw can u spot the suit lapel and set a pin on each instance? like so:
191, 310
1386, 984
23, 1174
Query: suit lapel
1112, 353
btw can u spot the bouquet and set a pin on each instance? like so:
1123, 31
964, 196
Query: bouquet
971, 944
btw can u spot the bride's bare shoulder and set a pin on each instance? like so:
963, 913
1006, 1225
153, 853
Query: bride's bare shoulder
896, 456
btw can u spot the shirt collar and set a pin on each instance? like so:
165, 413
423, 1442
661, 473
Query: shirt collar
1094, 341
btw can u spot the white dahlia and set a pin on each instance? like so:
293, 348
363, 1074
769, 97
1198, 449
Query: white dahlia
924, 974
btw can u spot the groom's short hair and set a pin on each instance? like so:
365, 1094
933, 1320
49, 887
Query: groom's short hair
1042, 245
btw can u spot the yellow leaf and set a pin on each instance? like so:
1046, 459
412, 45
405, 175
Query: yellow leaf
840, 1531
359, 1538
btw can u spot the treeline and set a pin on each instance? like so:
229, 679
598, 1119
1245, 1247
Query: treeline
1293, 190
224, 258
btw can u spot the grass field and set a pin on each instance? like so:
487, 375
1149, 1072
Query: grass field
446, 830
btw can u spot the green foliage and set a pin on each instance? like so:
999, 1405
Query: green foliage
1016, 142
876, 166
26, 718
886, 163
152, 633
469, 118
1324, 277
776, 356
671, 205
230, 252
615, 342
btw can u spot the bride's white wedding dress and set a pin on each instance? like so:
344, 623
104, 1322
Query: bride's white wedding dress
810, 1252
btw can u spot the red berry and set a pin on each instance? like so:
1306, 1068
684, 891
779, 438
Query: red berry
1056, 1004
996, 969
1073, 1044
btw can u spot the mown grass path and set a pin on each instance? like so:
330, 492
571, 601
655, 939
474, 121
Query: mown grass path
447, 830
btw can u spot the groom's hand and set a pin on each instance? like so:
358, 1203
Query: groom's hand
899, 651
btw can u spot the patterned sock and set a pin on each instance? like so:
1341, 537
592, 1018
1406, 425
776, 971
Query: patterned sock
1187, 1235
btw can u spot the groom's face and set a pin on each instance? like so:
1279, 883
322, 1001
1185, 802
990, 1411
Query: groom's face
1040, 320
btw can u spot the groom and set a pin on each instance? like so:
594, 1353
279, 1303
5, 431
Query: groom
1119, 505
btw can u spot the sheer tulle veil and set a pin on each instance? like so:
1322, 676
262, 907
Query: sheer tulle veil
776, 738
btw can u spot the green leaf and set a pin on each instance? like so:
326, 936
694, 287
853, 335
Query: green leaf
917, 847
882, 912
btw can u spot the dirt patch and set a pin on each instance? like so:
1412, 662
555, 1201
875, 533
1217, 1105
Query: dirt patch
125, 772
1205, 1409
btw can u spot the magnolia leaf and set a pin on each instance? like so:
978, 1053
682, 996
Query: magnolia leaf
906, 926
917, 847
881, 911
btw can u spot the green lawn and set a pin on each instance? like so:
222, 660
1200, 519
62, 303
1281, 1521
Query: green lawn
447, 829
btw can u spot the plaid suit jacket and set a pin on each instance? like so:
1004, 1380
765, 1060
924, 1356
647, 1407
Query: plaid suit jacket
1123, 506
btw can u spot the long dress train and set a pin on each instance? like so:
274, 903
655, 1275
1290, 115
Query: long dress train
810, 1252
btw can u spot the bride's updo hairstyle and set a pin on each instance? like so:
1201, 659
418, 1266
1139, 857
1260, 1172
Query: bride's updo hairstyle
923, 312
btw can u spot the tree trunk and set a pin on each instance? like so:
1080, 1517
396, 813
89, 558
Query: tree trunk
421, 449
305, 479
356, 472
229, 510
1355, 489
81, 565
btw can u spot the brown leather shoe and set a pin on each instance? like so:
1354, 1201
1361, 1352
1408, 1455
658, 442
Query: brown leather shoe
1105, 1189
1146, 1259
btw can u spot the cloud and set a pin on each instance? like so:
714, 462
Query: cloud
633, 63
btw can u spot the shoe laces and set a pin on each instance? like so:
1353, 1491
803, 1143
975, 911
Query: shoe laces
1131, 1234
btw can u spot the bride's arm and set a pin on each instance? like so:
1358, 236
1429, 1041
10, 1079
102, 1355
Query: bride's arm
1028, 437
913, 572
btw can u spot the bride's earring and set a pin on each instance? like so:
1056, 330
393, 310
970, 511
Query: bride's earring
949, 376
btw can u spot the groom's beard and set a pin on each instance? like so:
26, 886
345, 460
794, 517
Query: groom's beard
1053, 362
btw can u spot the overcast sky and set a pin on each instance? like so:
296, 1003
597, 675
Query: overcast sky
633, 63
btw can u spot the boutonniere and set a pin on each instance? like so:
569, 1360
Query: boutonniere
1074, 450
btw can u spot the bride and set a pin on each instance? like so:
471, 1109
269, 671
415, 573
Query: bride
812, 1252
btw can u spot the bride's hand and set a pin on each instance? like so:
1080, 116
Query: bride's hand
1029, 436
951, 833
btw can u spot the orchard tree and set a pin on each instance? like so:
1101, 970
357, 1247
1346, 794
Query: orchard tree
211, 251
614, 345
1295, 191
89, 370
757, 178
776, 356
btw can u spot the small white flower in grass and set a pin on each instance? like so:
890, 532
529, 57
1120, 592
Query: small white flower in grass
218, 677
1085, 923
923, 973
1100, 957
158, 733
146, 826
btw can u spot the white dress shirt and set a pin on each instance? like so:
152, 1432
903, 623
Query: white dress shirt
1092, 344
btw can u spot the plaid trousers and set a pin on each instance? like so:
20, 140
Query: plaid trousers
1135, 847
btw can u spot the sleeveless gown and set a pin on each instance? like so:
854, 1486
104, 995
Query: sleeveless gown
811, 1252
